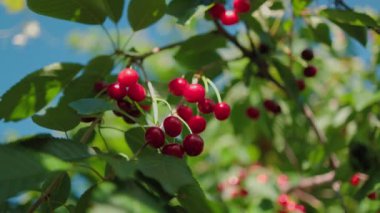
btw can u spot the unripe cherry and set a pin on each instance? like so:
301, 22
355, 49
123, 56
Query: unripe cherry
136, 92
128, 77
222, 111
253, 113
310, 71
217, 10
229, 17
194, 93
116, 91
184, 112
177, 85
172, 126
193, 145
173, 149
197, 124
206, 106
242, 6
155, 137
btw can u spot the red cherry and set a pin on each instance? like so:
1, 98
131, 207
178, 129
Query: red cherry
300, 208
283, 200
243, 192
300, 84
307, 54
100, 86
355, 179
172, 126
242, 6
310, 71
116, 91
272, 106
145, 107
217, 10
177, 85
253, 113
372, 196
128, 108
136, 92
206, 106
193, 145
155, 137
128, 119
128, 77
229, 17
222, 111
197, 124
194, 93
184, 112
173, 149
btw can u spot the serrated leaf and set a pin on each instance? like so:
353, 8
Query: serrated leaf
82, 11
36, 90
91, 106
64, 118
172, 173
143, 13
349, 17
64, 149
22, 169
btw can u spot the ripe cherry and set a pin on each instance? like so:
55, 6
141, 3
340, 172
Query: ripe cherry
307, 54
116, 91
206, 106
310, 71
172, 126
173, 149
177, 85
222, 111
197, 124
242, 6
194, 93
355, 179
128, 77
128, 108
217, 10
155, 137
193, 145
283, 200
253, 113
128, 120
301, 84
229, 17
100, 86
184, 112
272, 106
136, 92
372, 196
243, 192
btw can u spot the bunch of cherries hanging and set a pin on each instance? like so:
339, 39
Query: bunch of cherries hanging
128, 93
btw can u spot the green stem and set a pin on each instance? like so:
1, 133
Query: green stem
109, 36
204, 79
215, 90
184, 123
165, 102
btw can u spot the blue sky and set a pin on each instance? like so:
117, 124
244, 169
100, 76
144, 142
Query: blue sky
50, 47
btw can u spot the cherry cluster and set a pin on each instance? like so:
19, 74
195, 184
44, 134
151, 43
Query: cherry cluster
309, 71
357, 179
269, 105
230, 17
127, 85
192, 144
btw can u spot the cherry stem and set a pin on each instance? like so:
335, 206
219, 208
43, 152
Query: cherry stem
154, 102
204, 79
184, 123
139, 151
215, 89
165, 102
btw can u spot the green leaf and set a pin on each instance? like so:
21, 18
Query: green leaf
114, 9
64, 118
63, 149
183, 10
288, 78
256, 4
91, 106
36, 90
300, 5
123, 168
322, 33
82, 11
22, 169
172, 173
59, 187
193, 199
143, 13
85, 200
356, 32
135, 138
349, 17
